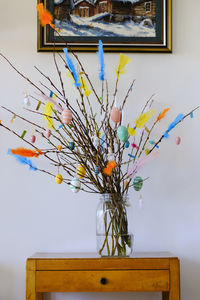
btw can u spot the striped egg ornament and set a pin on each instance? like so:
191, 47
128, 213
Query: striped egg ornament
137, 183
66, 116
81, 171
75, 185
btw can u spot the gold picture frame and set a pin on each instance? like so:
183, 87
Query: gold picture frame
81, 28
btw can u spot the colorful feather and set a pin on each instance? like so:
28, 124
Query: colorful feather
124, 60
58, 107
87, 92
110, 166
26, 152
48, 108
141, 162
23, 160
72, 68
45, 16
162, 115
144, 118
101, 60
173, 124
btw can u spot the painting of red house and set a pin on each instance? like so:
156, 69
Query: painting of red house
84, 8
102, 6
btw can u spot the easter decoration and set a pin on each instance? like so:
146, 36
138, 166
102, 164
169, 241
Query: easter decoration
88, 141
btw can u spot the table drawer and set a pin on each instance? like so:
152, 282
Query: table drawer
102, 281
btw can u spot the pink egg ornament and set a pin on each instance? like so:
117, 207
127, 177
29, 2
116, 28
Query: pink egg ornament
48, 133
33, 138
66, 116
115, 114
178, 140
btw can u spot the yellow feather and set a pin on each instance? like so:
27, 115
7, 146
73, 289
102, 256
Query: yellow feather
144, 118
48, 111
84, 86
131, 131
124, 60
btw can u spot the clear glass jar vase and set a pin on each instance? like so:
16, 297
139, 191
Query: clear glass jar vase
112, 226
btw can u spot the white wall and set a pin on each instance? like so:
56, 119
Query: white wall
38, 215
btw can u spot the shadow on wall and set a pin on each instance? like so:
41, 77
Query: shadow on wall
6, 283
103, 296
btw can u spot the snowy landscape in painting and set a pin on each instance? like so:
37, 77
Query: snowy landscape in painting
92, 27
109, 18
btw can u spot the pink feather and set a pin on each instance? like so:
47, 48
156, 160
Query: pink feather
52, 101
141, 162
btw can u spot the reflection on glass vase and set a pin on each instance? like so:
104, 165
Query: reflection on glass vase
112, 226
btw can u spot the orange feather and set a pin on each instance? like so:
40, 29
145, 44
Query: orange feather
162, 115
26, 152
45, 16
110, 166
107, 171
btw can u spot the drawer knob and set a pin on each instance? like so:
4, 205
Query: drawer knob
103, 280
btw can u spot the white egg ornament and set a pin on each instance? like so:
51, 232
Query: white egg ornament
27, 101
66, 116
110, 155
75, 185
115, 115
122, 133
178, 140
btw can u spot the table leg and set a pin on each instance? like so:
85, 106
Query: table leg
39, 296
174, 293
30, 280
165, 295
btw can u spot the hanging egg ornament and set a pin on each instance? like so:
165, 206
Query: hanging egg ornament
33, 138
75, 185
96, 170
27, 101
122, 134
59, 147
71, 146
59, 178
48, 133
115, 114
127, 144
66, 116
137, 183
81, 171
178, 140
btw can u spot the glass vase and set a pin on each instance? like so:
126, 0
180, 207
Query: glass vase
112, 226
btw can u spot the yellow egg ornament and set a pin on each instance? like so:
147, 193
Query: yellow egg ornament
81, 171
59, 179
59, 147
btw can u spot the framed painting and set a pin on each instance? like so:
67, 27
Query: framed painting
122, 25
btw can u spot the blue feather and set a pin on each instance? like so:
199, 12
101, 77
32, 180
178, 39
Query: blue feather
72, 68
101, 60
23, 160
173, 124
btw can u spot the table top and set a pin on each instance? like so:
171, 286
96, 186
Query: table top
93, 255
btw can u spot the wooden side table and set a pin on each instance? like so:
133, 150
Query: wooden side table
86, 272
